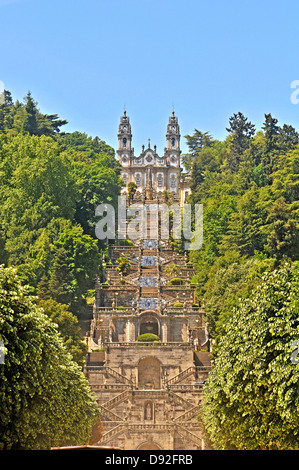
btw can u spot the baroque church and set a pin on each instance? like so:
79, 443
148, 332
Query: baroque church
149, 388
162, 173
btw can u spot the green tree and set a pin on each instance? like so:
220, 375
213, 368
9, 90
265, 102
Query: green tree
271, 132
241, 131
68, 328
45, 399
75, 265
84, 144
285, 180
132, 188
195, 143
244, 228
62, 285
6, 111
97, 182
283, 236
29, 124
26, 118
123, 265
49, 124
231, 279
289, 138
205, 163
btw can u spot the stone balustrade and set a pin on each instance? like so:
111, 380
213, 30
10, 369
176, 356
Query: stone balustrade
140, 344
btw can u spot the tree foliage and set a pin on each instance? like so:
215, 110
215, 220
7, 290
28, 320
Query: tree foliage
248, 185
123, 265
45, 399
251, 398
67, 326
50, 185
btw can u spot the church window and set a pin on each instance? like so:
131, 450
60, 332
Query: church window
160, 181
173, 142
124, 142
172, 183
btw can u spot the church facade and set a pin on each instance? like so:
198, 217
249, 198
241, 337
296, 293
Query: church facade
165, 170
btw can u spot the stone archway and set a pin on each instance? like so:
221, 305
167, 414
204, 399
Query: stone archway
149, 446
149, 324
149, 373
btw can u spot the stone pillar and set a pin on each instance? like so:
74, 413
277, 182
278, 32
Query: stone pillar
164, 333
185, 333
130, 331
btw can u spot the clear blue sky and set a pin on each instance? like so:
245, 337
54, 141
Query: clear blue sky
85, 60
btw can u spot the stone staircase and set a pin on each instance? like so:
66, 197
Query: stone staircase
189, 414
182, 375
116, 400
147, 428
189, 435
117, 375
110, 415
175, 397
186, 404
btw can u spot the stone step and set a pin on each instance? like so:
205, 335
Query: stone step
182, 375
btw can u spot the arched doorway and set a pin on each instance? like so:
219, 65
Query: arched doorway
149, 375
149, 446
149, 324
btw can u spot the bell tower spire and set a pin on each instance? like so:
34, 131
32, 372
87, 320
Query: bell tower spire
125, 150
173, 133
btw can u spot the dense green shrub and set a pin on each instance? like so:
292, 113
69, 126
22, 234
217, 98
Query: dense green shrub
178, 305
176, 281
126, 243
147, 337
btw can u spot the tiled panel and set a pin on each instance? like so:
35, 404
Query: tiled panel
148, 281
148, 260
148, 303
149, 244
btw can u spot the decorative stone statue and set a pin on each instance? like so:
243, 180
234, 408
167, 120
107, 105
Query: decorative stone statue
148, 411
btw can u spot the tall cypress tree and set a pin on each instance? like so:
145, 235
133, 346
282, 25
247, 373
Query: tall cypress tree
6, 105
29, 124
241, 131
271, 131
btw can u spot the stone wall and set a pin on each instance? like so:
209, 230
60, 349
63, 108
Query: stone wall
126, 359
